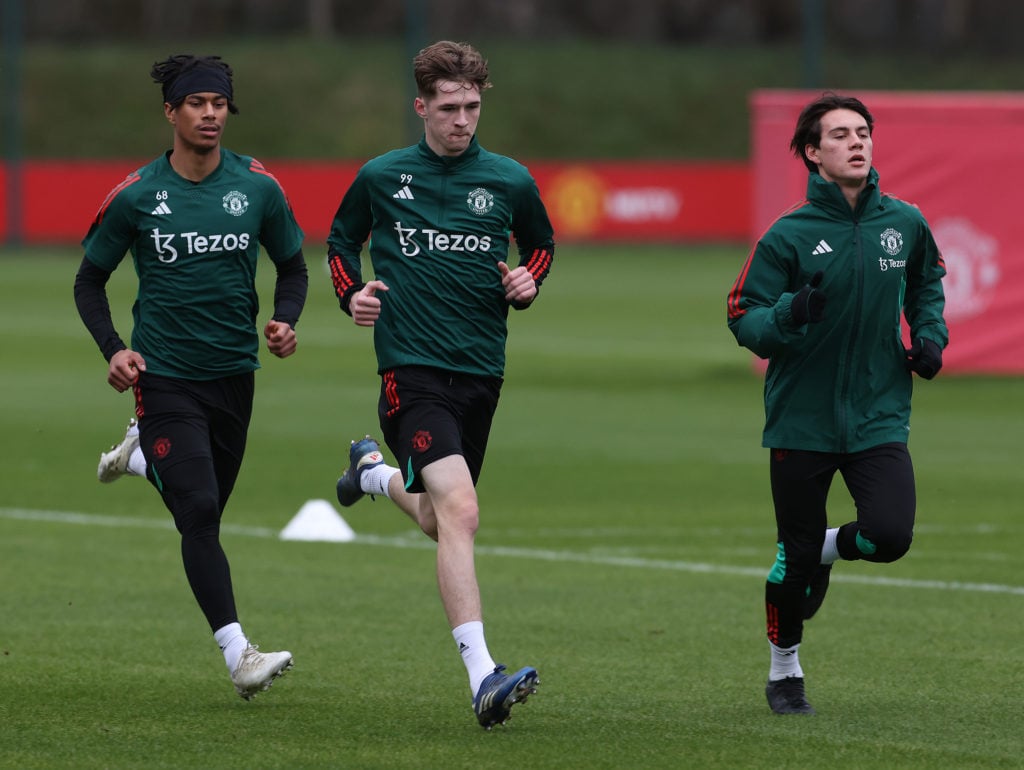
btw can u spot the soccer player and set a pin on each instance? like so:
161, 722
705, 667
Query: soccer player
839, 380
194, 220
438, 216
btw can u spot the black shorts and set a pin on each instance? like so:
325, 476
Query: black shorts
427, 414
193, 432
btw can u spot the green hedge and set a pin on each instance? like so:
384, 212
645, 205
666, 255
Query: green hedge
307, 99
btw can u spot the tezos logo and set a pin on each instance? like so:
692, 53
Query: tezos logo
480, 201
235, 203
892, 242
438, 241
194, 243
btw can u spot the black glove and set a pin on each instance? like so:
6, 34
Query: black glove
925, 358
808, 305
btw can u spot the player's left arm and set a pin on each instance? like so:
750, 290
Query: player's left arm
282, 238
925, 301
531, 228
289, 299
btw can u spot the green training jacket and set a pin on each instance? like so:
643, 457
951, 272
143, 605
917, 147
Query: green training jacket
840, 385
437, 227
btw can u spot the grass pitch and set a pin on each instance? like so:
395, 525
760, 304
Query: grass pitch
626, 532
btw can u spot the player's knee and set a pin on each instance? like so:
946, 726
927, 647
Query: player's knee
195, 510
884, 546
459, 516
897, 547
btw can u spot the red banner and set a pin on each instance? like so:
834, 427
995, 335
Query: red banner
958, 157
646, 201
624, 201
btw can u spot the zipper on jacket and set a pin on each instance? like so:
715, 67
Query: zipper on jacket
844, 393
442, 199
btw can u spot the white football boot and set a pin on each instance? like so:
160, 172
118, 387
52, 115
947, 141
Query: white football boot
114, 464
256, 670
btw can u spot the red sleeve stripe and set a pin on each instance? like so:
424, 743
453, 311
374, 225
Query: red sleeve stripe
258, 168
539, 263
735, 311
129, 180
342, 280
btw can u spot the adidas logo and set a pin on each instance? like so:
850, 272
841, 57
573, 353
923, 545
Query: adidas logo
370, 458
404, 194
163, 208
486, 702
821, 248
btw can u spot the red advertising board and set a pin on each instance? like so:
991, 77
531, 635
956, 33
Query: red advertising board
955, 155
623, 201
646, 201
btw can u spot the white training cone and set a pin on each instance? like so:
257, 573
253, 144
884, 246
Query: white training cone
317, 520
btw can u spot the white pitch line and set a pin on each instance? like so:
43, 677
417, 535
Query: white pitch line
416, 540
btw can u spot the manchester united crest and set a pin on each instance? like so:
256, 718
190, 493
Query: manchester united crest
235, 203
892, 241
480, 201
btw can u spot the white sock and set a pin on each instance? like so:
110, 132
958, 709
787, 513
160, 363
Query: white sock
830, 551
232, 643
375, 480
137, 463
785, 663
473, 648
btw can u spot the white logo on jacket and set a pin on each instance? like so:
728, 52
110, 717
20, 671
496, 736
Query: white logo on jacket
480, 201
892, 241
438, 241
885, 264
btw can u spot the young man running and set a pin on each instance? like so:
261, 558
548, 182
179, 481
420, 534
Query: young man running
194, 220
839, 381
438, 217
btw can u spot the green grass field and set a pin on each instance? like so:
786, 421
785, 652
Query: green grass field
626, 533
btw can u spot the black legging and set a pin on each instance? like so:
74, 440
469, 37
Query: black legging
193, 435
881, 482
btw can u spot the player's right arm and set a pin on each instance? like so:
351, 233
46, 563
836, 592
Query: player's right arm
760, 302
108, 240
124, 364
349, 231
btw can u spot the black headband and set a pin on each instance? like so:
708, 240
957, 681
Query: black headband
200, 79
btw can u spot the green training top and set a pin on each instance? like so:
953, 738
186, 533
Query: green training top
438, 226
195, 245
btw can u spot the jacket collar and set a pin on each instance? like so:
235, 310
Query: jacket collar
828, 195
448, 162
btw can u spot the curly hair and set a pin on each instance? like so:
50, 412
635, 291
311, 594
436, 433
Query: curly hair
446, 60
181, 70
